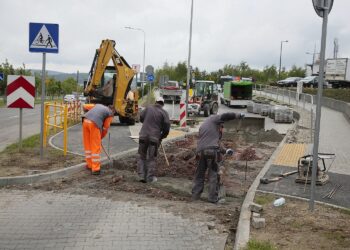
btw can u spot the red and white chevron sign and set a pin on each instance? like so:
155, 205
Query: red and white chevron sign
20, 91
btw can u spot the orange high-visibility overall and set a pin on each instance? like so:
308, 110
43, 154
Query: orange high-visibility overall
92, 138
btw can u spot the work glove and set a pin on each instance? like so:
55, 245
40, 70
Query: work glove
241, 116
229, 151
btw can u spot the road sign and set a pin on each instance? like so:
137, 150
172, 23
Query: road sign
150, 78
43, 37
20, 91
319, 6
149, 70
1, 76
136, 68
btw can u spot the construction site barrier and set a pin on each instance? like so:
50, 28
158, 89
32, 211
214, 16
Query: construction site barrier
182, 114
74, 110
56, 116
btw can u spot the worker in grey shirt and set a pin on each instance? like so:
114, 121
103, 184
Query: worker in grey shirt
208, 150
155, 127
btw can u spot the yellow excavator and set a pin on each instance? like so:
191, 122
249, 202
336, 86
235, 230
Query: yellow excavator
110, 84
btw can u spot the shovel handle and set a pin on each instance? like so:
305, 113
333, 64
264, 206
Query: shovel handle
166, 158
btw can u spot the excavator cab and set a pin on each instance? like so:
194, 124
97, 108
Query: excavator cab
110, 84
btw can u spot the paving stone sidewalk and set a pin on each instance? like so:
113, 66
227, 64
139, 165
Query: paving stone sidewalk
47, 220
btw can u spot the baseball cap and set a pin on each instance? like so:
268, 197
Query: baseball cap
160, 99
227, 117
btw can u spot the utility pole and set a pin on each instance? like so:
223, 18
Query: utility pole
279, 70
189, 61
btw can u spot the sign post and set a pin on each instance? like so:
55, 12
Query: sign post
150, 79
43, 38
322, 8
20, 94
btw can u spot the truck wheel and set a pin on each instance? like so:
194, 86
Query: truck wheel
127, 120
214, 109
206, 110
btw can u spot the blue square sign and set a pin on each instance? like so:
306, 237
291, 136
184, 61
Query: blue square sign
43, 37
1, 76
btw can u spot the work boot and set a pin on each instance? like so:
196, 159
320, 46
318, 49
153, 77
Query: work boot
98, 172
153, 179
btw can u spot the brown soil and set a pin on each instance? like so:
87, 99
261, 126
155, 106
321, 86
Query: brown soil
26, 162
172, 191
293, 226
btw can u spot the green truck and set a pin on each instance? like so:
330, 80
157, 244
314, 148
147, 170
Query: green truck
238, 93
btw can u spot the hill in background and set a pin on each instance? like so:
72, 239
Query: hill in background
61, 76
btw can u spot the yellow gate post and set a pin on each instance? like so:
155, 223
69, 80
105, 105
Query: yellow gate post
65, 130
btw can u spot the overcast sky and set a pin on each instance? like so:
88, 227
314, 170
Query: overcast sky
224, 31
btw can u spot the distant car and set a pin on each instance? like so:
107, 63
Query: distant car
289, 82
69, 98
82, 98
310, 81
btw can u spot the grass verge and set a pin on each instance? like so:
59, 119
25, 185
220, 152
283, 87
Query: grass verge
264, 199
338, 94
260, 245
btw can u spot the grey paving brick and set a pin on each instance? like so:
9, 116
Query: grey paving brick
37, 219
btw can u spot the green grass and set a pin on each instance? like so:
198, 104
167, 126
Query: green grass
338, 94
264, 199
28, 143
259, 245
36, 101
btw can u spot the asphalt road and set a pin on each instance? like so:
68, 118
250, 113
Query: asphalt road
9, 124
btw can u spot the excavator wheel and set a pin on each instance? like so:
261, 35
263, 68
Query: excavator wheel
206, 110
214, 109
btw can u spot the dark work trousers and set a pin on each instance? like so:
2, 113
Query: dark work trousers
146, 165
208, 160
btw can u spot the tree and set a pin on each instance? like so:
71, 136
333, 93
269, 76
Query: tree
53, 87
68, 86
297, 71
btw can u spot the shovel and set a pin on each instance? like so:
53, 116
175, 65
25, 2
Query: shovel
109, 158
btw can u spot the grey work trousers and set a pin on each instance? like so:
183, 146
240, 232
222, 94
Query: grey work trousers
146, 165
208, 160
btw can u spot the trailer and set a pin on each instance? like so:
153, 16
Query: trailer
238, 93
170, 91
337, 72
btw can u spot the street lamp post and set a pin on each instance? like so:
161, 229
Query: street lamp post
189, 61
279, 70
313, 61
144, 53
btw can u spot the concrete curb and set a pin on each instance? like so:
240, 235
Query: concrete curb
60, 173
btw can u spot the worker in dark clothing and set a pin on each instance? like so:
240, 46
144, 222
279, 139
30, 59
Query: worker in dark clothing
155, 127
208, 151
96, 123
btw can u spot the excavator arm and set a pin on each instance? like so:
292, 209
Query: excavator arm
125, 107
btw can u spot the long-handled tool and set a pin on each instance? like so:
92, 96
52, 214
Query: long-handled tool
166, 158
269, 180
109, 158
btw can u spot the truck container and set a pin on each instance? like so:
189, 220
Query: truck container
170, 91
337, 72
238, 93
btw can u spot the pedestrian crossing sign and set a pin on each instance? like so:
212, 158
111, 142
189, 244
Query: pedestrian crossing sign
43, 37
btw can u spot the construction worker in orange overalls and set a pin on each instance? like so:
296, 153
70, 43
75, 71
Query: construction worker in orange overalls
96, 123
